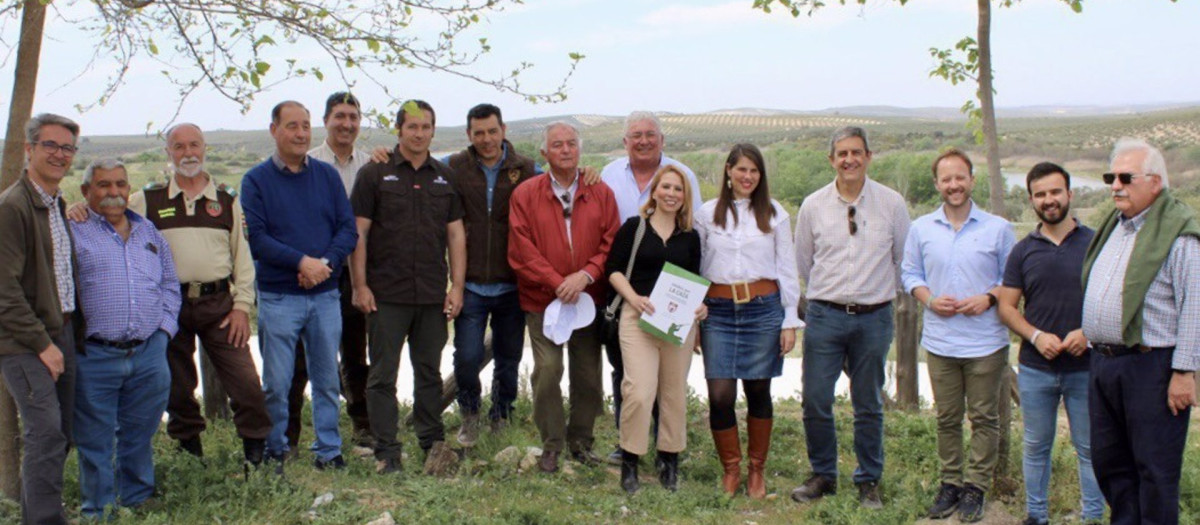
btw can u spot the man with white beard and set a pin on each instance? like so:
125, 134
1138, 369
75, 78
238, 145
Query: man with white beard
202, 222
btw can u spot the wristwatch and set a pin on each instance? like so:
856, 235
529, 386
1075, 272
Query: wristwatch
991, 300
325, 261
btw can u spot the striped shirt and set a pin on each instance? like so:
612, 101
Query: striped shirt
128, 289
63, 279
863, 268
1170, 316
348, 171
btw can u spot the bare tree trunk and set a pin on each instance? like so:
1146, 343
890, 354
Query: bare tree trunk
216, 400
450, 385
29, 50
988, 106
908, 332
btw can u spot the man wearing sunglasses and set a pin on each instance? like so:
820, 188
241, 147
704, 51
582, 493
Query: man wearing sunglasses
953, 262
38, 300
560, 232
849, 244
1141, 278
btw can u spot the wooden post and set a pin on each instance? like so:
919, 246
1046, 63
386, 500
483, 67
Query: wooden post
1008, 396
908, 330
216, 400
10, 446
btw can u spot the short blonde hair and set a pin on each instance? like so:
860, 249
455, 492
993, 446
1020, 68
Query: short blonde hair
683, 219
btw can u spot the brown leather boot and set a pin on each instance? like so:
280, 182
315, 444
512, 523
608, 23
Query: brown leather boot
759, 443
729, 449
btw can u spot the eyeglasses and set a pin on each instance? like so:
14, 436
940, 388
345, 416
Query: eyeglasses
52, 147
1125, 178
566, 198
850, 218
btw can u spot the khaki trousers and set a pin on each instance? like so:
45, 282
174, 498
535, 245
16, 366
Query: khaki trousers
653, 369
586, 390
977, 381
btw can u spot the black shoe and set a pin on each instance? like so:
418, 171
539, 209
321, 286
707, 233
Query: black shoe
971, 506
629, 472
335, 463
868, 495
277, 461
588, 457
253, 450
816, 487
614, 457
388, 466
192, 446
668, 475
946, 501
1034, 521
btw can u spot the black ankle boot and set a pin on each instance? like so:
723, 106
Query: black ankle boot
629, 471
669, 475
253, 449
192, 446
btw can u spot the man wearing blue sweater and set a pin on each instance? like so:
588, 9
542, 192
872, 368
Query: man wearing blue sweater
300, 230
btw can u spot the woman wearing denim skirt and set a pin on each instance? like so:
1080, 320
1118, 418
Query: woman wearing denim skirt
752, 317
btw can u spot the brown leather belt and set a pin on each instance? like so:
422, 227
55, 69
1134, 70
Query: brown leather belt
743, 292
853, 309
1108, 350
195, 290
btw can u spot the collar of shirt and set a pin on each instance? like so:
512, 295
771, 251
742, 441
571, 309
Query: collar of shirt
135, 221
47, 199
399, 160
1133, 224
558, 189
209, 192
491, 169
975, 215
275, 158
337, 162
1037, 232
862, 194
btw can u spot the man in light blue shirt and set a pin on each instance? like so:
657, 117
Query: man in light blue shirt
629, 178
954, 260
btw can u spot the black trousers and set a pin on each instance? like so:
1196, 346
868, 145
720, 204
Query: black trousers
46, 409
424, 327
1137, 445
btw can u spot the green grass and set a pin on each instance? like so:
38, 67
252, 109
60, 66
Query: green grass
485, 492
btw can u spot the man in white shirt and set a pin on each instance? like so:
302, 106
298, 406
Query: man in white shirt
342, 120
629, 178
849, 244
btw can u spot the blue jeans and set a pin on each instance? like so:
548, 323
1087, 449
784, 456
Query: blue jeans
858, 344
508, 341
317, 319
120, 397
1040, 392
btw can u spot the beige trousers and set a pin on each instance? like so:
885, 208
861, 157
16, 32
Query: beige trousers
653, 369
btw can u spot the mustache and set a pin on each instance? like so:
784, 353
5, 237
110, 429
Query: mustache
110, 202
1120, 193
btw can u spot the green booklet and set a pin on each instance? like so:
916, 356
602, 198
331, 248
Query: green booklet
676, 296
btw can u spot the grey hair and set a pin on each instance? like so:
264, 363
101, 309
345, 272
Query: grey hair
33, 128
638, 116
1153, 164
849, 132
559, 124
102, 164
171, 130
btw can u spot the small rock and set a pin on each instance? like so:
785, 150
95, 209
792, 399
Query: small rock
323, 499
509, 456
529, 462
624, 511
442, 460
383, 519
567, 469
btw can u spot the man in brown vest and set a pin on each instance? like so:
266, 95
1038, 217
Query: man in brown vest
202, 222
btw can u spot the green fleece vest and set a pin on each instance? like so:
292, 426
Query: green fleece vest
1166, 220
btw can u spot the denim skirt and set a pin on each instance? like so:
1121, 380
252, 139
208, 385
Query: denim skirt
741, 341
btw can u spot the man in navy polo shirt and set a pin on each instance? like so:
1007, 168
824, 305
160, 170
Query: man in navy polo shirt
1045, 268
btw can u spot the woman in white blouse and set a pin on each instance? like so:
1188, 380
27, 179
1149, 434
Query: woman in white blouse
752, 318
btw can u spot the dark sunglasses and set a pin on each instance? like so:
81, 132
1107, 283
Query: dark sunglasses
1125, 178
850, 217
566, 198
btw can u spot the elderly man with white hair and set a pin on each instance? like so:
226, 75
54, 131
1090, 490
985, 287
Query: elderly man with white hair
629, 178
1141, 278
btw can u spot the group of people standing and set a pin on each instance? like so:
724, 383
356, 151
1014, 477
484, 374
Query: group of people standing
355, 253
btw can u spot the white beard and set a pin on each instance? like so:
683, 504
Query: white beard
189, 170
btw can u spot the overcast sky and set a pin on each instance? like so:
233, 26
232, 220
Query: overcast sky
702, 55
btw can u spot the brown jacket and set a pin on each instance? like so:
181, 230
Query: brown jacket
487, 234
30, 312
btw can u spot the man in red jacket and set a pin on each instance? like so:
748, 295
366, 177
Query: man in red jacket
560, 232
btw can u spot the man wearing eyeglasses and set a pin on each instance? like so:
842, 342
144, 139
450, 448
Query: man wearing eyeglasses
560, 232
954, 259
1141, 278
409, 216
37, 303
629, 179
849, 244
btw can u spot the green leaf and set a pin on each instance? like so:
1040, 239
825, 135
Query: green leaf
411, 109
262, 67
575, 56
254, 79
373, 45
150, 45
